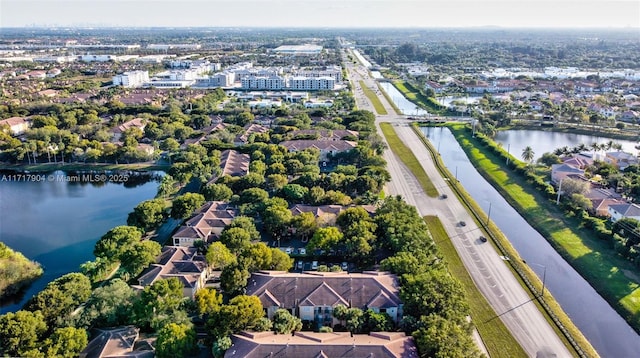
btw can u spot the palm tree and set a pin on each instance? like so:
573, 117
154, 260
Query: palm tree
528, 154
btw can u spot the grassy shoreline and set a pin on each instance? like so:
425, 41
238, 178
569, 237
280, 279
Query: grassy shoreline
50, 167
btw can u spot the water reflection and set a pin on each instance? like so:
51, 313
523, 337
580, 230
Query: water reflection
57, 222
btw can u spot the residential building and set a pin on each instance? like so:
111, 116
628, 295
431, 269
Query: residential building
601, 199
263, 83
334, 72
323, 134
16, 125
436, 87
234, 163
321, 345
250, 129
311, 83
183, 263
326, 148
622, 211
563, 170
312, 296
131, 79
139, 123
120, 342
206, 224
622, 159
298, 49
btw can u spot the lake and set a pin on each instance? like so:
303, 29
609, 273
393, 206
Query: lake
57, 222
546, 141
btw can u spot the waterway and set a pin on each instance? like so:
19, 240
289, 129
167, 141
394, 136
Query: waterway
407, 107
610, 335
57, 222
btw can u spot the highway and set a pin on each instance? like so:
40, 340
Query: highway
488, 270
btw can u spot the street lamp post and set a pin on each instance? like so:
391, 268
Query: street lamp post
544, 275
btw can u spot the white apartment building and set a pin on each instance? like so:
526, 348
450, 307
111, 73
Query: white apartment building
221, 79
330, 71
263, 83
131, 79
311, 84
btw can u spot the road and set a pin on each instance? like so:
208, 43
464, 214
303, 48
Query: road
488, 270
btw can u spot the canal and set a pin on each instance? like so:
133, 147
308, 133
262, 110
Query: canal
610, 335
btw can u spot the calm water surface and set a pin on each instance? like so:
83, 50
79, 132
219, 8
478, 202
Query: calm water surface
610, 335
545, 141
406, 106
57, 223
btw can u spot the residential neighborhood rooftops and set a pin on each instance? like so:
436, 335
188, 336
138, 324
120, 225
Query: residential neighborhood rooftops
116, 343
311, 344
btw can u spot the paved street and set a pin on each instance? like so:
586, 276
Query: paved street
488, 270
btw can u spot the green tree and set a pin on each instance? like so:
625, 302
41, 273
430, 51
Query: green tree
434, 292
208, 301
376, 322
220, 346
219, 256
184, 205
176, 340
60, 297
21, 332
294, 193
442, 338
138, 256
66, 342
325, 238
245, 310
354, 319
112, 244
235, 239
247, 224
276, 219
528, 154
162, 297
108, 306
402, 263
147, 215
284, 322
233, 279
217, 192
280, 261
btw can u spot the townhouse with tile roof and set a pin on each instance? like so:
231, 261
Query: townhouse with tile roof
321, 345
206, 224
312, 296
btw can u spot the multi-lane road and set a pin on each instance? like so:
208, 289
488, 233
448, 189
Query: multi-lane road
487, 268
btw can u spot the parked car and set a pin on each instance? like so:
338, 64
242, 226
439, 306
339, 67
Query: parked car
483, 239
314, 265
344, 266
288, 250
300, 265
302, 251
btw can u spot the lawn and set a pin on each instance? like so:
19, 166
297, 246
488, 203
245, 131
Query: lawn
373, 98
406, 155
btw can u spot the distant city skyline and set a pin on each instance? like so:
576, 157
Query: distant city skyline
322, 13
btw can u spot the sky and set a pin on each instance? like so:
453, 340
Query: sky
322, 13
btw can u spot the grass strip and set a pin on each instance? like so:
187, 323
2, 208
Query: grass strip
416, 96
524, 272
49, 167
373, 98
495, 335
409, 159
